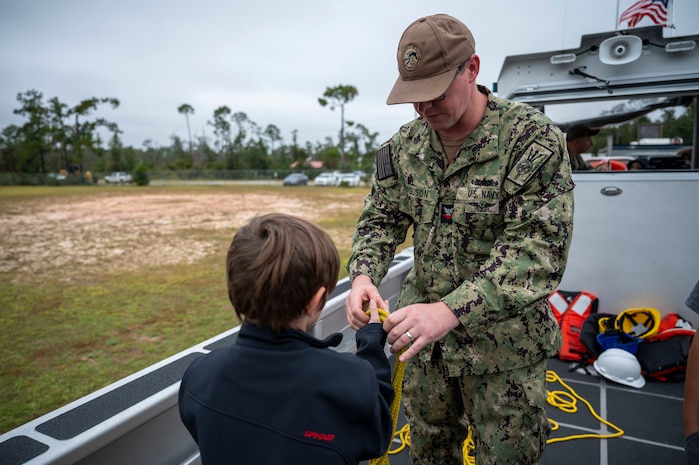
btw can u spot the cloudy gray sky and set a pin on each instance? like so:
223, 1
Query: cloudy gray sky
268, 59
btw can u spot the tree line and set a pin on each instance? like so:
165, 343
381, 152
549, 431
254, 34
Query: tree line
56, 137
675, 122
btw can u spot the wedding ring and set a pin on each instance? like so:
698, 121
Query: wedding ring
410, 336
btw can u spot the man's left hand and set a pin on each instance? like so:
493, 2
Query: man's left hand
418, 325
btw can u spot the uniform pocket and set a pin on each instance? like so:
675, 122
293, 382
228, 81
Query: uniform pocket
420, 203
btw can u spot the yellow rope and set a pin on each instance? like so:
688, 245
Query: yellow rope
556, 399
468, 449
397, 382
565, 401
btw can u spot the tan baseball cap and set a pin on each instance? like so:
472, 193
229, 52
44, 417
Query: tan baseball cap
429, 52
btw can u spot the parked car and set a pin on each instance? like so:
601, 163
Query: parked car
296, 179
117, 177
349, 180
326, 179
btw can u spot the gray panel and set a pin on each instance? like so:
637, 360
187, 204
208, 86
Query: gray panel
534, 79
638, 248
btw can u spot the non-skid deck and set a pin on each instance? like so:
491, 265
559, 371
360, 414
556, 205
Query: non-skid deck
651, 418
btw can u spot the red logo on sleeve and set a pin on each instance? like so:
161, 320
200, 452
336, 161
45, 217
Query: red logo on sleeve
319, 436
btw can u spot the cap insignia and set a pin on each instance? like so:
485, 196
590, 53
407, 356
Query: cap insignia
412, 57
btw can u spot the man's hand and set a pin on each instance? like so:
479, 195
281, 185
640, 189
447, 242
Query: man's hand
358, 301
417, 325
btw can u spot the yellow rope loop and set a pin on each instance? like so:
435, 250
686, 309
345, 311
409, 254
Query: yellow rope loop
468, 449
554, 425
563, 401
552, 377
403, 439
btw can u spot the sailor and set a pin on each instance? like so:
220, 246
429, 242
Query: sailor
485, 185
579, 141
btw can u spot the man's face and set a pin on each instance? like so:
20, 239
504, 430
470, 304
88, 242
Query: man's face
446, 110
584, 144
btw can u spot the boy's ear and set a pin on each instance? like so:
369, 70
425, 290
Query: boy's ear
313, 305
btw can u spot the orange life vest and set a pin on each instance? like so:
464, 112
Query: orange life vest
571, 310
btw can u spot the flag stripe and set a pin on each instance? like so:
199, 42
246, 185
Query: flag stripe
655, 10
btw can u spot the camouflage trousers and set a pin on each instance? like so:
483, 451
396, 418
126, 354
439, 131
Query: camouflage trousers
506, 411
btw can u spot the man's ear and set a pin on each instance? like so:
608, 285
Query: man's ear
474, 67
314, 305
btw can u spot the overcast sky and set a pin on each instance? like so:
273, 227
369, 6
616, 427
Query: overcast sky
268, 59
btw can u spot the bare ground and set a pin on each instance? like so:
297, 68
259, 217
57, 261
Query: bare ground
79, 236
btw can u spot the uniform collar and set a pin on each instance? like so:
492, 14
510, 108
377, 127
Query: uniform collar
485, 134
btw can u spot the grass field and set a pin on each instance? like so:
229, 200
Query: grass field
99, 282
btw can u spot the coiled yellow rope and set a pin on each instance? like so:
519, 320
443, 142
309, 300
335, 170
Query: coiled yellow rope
569, 405
565, 401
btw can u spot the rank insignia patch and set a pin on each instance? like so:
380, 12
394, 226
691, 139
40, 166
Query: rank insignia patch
446, 213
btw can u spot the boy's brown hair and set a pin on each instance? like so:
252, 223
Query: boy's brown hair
275, 264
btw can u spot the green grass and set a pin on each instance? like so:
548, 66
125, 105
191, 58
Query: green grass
63, 339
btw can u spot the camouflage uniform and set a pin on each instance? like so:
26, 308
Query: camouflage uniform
491, 233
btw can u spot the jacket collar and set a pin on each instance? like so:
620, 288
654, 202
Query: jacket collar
253, 335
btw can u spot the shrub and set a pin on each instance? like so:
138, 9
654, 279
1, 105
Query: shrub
140, 175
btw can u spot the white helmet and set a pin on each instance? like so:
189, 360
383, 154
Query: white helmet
620, 366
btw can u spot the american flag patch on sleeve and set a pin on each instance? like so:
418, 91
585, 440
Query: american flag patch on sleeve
384, 164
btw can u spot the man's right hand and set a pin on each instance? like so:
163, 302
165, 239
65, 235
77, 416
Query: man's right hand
362, 293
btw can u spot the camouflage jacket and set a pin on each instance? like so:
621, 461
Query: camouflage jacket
491, 232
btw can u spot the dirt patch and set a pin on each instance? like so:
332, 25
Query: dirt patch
78, 236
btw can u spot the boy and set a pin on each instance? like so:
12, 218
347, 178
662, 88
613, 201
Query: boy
279, 395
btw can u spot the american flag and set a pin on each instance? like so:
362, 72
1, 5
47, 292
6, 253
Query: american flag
655, 10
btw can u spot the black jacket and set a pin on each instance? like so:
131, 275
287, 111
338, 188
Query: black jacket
290, 399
